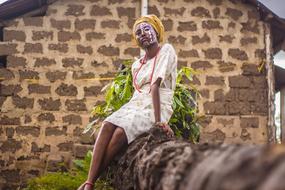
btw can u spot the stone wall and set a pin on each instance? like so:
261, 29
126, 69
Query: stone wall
53, 63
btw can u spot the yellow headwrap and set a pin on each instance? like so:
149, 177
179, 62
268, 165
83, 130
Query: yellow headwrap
154, 22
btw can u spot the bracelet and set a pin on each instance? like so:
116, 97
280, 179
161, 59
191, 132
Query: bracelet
159, 123
89, 183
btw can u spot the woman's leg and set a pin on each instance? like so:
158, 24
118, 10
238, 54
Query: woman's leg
105, 134
118, 143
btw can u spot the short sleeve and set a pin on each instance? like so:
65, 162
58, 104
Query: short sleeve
166, 63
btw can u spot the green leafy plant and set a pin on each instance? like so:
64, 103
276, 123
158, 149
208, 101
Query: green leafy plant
70, 180
184, 119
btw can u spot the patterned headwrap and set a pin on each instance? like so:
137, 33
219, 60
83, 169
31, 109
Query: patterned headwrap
154, 22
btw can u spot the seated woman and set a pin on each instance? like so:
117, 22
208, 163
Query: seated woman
154, 79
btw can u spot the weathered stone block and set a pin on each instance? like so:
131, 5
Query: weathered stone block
95, 35
213, 53
77, 75
201, 65
174, 12
66, 146
177, 39
132, 51
85, 24
211, 24
10, 90
153, 10
8, 49
215, 2
226, 38
42, 35
84, 49
33, 21
125, 37
6, 74
219, 95
126, 11
49, 104
27, 119
33, 48
248, 40
198, 40
216, 12
15, 61
14, 35
35, 148
250, 69
27, 130
11, 176
260, 82
249, 122
72, 62
234, 13
115, 24
76, 105
60, 47
226, 66
238, 54
187, 26
46, 117
217, 136
38, 89
212, 80
10, 132
75, 10
250, 27
201, 12
64, 36
23, 102
5, 120
10, 145
55, 131
56, 75
2, 100
205, 93
109, 50
188, 53
66, 90
239, 82
100, 11
72, 119
260, 53
215, 108
168, 24
80, 151
41, 62
232, 95
92, 91
60, 24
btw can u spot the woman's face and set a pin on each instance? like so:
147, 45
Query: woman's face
145, 35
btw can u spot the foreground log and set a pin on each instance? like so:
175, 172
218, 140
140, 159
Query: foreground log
154, 162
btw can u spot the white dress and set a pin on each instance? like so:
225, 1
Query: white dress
137, 116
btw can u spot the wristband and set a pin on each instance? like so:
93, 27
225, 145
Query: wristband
89, 183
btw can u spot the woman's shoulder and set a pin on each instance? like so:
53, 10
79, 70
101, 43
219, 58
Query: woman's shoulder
168, 48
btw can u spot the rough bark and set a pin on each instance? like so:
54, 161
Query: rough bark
154, 162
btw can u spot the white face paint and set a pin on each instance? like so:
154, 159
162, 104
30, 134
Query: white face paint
145, 34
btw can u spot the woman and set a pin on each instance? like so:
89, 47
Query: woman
154, 78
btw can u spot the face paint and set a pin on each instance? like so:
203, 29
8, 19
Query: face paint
145, 34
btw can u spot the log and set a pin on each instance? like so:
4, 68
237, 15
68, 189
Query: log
155, 162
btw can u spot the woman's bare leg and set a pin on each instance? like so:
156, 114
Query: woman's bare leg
105, 134
118, 142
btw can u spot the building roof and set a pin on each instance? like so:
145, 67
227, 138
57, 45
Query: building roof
15, 8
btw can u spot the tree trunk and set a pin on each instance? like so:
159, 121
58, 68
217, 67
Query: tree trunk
154, 162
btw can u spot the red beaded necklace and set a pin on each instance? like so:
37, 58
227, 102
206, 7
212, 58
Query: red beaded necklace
143, 61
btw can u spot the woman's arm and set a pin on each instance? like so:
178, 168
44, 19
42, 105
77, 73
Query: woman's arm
156, 100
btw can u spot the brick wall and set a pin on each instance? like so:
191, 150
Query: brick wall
48, 88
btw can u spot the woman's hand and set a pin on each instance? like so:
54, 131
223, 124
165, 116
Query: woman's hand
166, 128
85, 186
